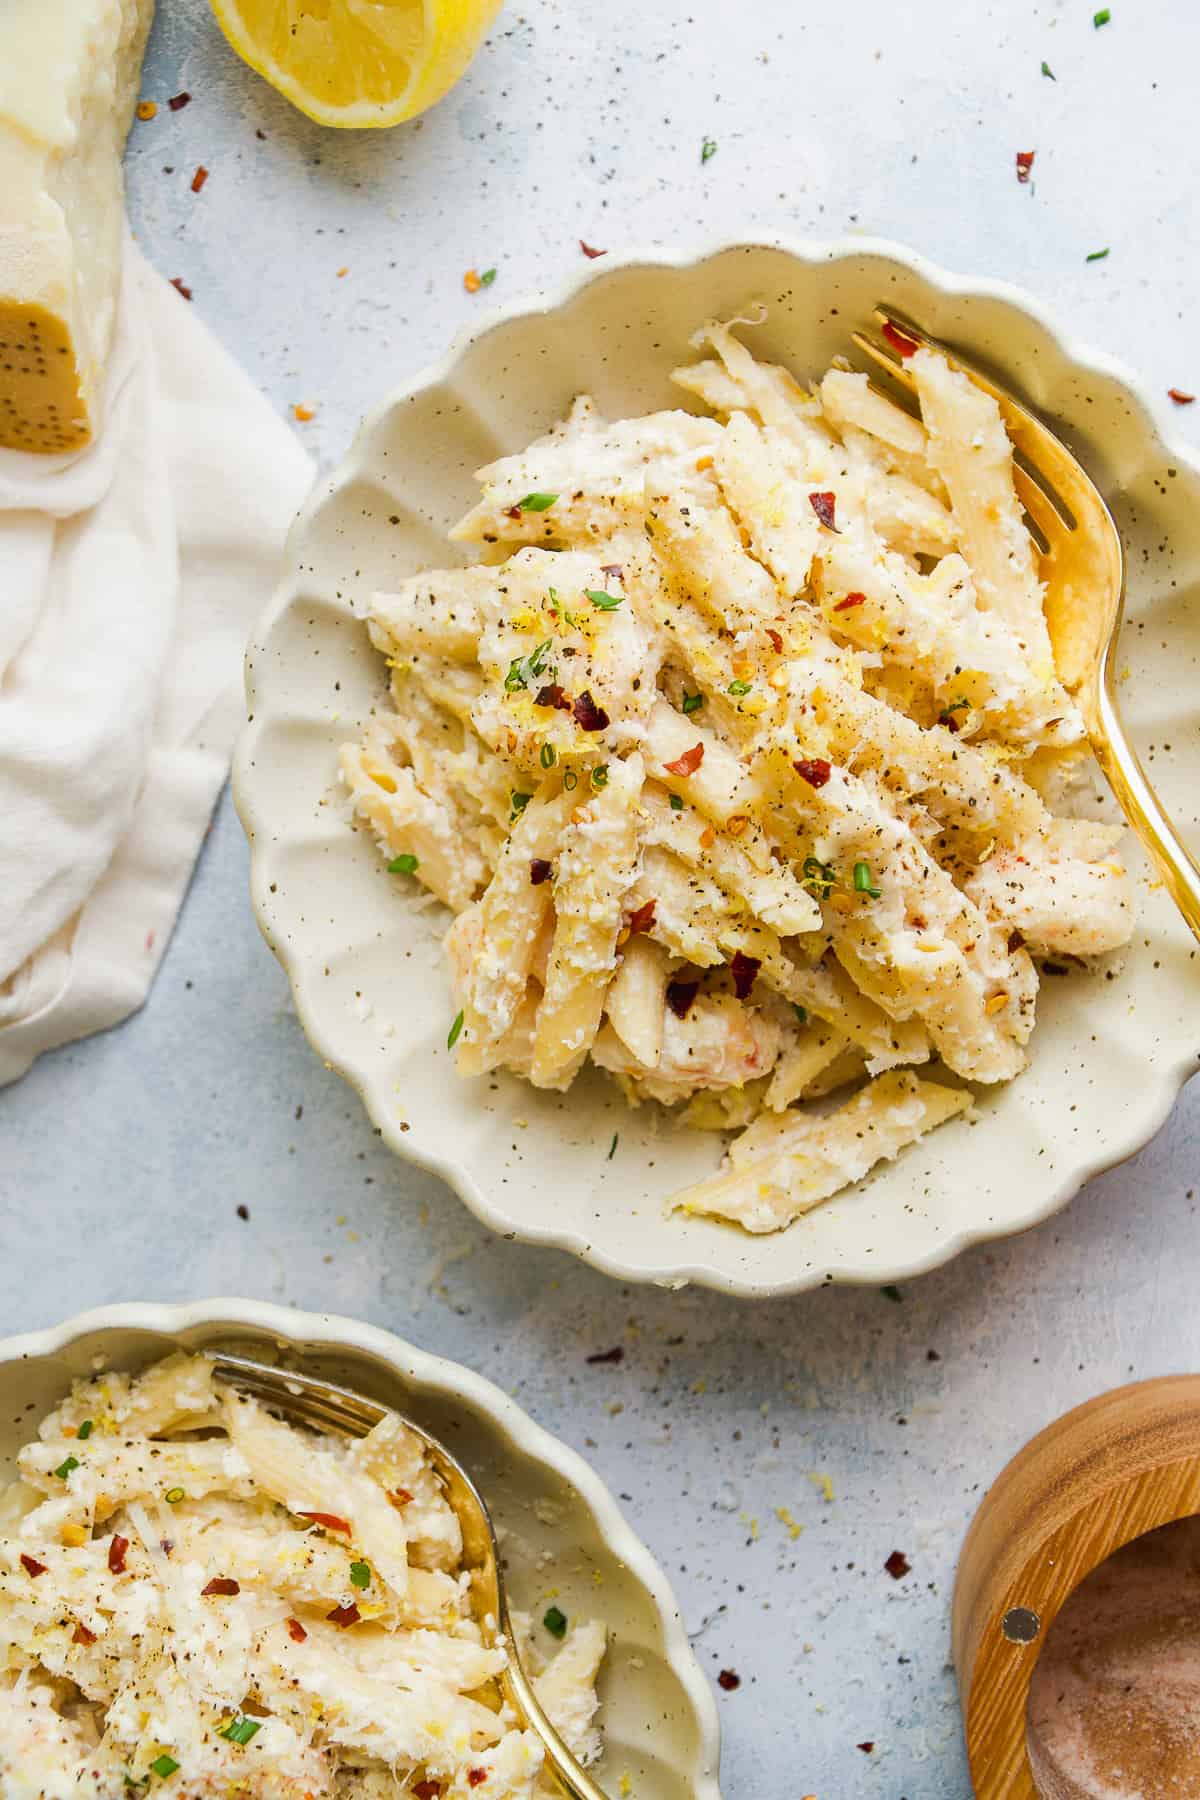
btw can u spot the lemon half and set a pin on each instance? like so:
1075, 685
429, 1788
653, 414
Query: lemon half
357, 63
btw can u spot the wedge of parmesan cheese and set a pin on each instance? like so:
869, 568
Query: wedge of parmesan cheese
68, 74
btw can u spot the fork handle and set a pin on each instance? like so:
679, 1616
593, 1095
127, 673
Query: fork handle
1137, 797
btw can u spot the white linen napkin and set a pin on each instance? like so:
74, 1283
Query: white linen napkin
130, 576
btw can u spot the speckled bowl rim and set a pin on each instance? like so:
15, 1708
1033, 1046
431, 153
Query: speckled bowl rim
299, 1330
1156, 1099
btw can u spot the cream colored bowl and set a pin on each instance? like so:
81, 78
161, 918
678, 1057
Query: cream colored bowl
559, 1526
1109, 1056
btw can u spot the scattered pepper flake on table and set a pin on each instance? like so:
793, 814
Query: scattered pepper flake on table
146, 109
181, 287
1179, 397
589, 251
897, 1565
303, 413
199, 178
729, 1679
177, 102
1025, 165
866, 1746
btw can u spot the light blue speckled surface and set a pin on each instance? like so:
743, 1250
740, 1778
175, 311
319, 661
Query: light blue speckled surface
122, 1160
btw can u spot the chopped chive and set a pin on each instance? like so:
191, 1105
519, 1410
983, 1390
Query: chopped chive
455, 1031
240, 1731
1097, 255
818, 876
676, 802
600, 776
862, 881
547, 756
738, 688
64, 1468
605, 602
1102, 17
708, 150
487, 278
1048, 72
173, 1496
519, 803
612, 1148
692, 702
801, 1012
537, 502
86, 1429
570, 781
555, 1622
164, 1765
360, 1574
403, 865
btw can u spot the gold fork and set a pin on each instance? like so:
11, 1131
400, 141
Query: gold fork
1083, 566
322, 1406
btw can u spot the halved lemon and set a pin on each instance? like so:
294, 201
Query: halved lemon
358, 63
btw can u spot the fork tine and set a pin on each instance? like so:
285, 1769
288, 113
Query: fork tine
1042, 518
885, 359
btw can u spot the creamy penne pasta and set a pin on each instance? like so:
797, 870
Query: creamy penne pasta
200, 1601
729, 753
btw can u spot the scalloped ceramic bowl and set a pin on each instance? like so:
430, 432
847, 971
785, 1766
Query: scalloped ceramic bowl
1109, 1056
560, 1527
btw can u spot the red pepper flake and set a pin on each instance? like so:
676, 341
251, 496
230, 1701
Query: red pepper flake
81, 1635
296, 1631
823, 505
117, 1546
401, 1497
643, 918
32, 1567
588, 250
344, 1615
866, 1747
680, 995
902, 345
221, 1584
850, 601
615, 1355
729, 1679
897, 1565
776, 641
688, 763
199, 179
1015, 941
330, 1521
1024, 165
177, 102
587, 715
813, 769
1179, 397
552, 696
181, 287
744, 968
539, 871
476, 1777
428, 1790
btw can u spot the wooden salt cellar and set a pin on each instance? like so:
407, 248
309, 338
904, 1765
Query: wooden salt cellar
1115, 1468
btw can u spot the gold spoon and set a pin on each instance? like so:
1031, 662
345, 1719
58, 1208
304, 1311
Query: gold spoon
322, 1406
